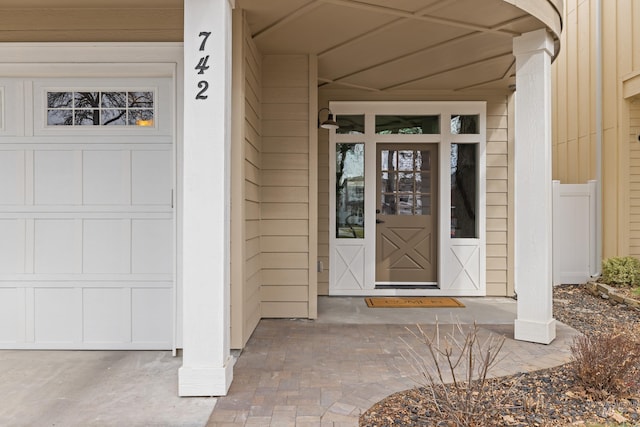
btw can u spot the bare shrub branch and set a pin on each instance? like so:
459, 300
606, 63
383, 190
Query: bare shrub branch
607, 363
454, 373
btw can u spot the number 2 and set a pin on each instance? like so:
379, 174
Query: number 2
204, 86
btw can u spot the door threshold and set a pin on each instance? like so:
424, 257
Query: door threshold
407, 287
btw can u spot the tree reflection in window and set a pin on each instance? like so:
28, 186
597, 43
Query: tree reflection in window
114, 108
350, 190
463, 190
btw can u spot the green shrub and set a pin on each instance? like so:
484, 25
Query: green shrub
621, 271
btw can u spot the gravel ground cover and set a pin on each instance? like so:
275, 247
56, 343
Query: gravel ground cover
550, 397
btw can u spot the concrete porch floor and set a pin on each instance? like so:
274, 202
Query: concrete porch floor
291, 373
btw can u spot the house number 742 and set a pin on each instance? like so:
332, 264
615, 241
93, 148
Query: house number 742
202, 66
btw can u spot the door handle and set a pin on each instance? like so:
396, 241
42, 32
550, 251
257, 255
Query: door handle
379, 221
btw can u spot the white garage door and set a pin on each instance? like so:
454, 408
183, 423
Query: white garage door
86, 213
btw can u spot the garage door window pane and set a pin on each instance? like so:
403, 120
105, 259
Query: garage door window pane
86, 117
114, 100
141, 99
60, 117
60, 99
112, 117
108, 108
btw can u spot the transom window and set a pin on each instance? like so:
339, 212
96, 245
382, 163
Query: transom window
100, 108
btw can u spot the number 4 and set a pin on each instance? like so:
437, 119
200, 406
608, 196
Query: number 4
202, 65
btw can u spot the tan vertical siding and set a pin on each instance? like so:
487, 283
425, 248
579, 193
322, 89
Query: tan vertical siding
499, 223
574, 132
246, 263
285, 186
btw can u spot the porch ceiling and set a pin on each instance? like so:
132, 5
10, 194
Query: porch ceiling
379, 45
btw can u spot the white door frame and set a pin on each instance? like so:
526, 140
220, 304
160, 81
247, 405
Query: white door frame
109, 60
461, 262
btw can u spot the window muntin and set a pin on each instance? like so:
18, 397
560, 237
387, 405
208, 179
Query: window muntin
464, 199
100, 108
350, 191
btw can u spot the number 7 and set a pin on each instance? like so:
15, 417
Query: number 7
206, 35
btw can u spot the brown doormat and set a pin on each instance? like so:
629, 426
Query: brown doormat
406, 302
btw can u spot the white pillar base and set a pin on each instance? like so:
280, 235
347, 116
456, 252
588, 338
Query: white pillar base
205, 381
538, 332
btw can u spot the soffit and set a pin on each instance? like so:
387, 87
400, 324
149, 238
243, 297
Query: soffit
380, 45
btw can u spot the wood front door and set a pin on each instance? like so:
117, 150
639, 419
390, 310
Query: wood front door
406, 213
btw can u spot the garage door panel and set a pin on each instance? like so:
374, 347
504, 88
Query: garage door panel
106, 177
148, 324
57, 177
150, 246
57, 315
12, 246
106, 315
9, 312
106, 246
151, 184
58, 246
12, 177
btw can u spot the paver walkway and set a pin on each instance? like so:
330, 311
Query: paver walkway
304, 373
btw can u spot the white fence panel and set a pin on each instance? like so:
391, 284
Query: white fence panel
574, 232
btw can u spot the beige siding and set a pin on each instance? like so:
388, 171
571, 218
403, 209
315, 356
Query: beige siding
285, 186
499, 222
498, 198
574, 131
154, 23
246, 262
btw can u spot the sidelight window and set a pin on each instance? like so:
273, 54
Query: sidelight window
464, 199
350, 190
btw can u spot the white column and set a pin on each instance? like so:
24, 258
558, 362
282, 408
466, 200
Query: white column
533, 188
207, 368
